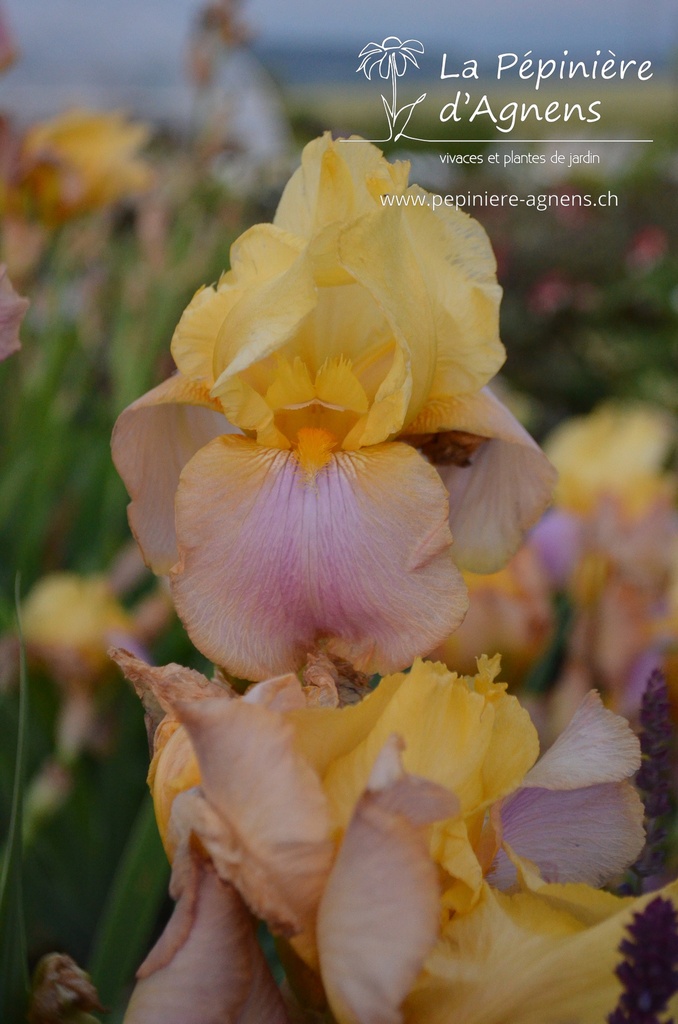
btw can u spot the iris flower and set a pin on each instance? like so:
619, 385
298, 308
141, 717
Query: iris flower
399, 847
75, 163
609, 542
328, 426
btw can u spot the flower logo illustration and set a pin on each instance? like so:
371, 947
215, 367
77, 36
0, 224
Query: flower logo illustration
392, 57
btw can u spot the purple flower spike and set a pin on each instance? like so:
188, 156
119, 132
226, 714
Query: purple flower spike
649, 970
654, 777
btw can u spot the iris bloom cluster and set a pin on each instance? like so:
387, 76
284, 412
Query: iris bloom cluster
611, 543
323, 463
414, 858
609, 546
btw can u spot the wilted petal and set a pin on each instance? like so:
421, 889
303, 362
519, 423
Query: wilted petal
207, 966
152, 441
166, 684
261, 812
587, 835
272, 561
12, 310
496, 499
379, 913
597, 746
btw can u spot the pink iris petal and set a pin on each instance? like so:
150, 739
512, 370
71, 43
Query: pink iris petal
153, 440
273, 560
509, 483
207, 965
581, 835
597, 746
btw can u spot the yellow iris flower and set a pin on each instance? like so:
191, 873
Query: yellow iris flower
270, 476
401, 846
77, 162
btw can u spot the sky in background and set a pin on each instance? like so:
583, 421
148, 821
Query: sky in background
142, 41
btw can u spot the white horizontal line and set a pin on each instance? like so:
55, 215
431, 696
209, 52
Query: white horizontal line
454, 142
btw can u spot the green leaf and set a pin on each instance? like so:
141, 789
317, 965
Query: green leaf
131, 910
13, 955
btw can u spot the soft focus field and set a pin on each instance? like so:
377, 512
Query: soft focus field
590, 313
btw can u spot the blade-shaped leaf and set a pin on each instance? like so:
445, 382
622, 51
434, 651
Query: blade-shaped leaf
132, 906
13, 956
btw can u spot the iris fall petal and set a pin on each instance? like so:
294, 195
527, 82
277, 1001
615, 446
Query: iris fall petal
344, 555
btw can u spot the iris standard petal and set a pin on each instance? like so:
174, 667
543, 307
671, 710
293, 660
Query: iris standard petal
493, 739
588, 835
461, 275
274, 559
597, 746
314, 197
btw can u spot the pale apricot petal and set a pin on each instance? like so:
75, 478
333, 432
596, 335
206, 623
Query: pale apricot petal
174, 769
281, 693
260, 812
379, 914
528, 959
495, 500
272, 559
152, 441
587, 835
597, 746
12, 310
207, 966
